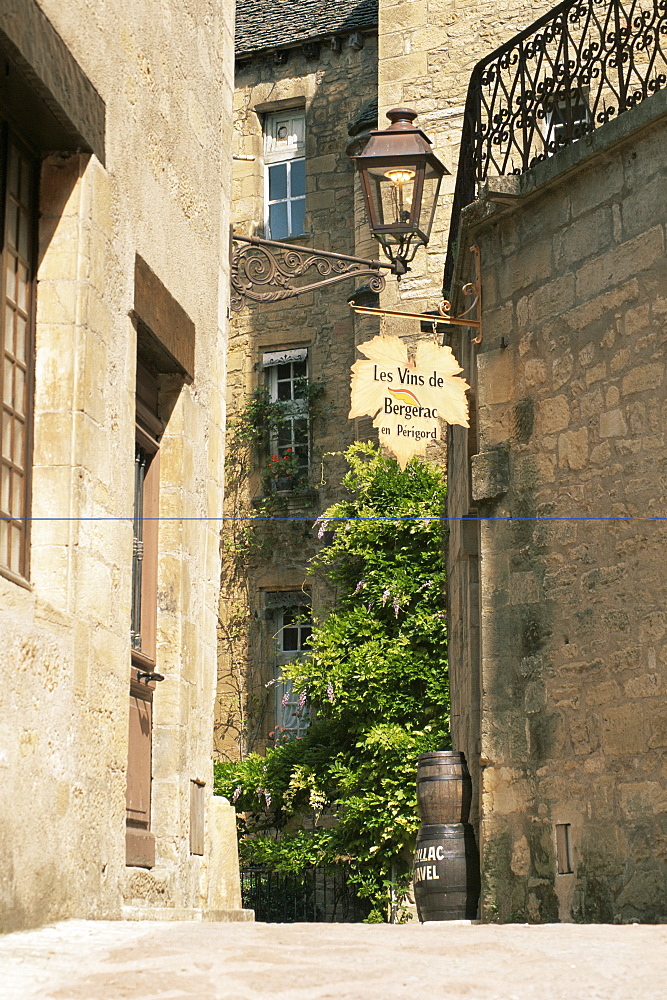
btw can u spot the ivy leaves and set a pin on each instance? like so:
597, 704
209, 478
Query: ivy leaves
376, 680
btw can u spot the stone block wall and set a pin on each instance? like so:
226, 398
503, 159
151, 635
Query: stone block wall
163, 193
557, 596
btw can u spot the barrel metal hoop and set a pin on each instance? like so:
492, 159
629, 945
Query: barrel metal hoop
441, 777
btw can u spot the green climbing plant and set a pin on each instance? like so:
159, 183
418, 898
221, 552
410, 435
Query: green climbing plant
374, 682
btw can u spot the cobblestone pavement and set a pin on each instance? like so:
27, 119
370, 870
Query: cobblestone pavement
105, 960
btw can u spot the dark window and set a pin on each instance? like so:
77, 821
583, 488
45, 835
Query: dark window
197, 816
568, 118
564, 848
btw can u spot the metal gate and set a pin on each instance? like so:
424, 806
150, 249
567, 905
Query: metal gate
314, 895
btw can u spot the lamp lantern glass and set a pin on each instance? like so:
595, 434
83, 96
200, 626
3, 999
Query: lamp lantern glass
400, 180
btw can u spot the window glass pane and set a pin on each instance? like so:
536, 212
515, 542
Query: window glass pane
302, 457
6, 436
23, 234
285, 435
19, 390
9, 329
298, 178
17, 496
25, 182
12, 223
284, 390
306, 631
21, 332
300, 431
283, 371
4, 490
22, 299
4, 539
13, 171
278, 182
290, 639
278, 221
15, 548
299, 368
298, 216
11, 278
7, 383
18, 444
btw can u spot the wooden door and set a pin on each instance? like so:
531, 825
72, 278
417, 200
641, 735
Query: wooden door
140, 841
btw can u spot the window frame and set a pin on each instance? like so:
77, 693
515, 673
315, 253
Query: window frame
288, 153
298, 411
144, 595
139, 838
19, 573
283, 688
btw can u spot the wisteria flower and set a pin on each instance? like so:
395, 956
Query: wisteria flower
284, 699
267, 798
330, 693
302, 698
385, 596
237, 792
360, 586
323, 527
397, 606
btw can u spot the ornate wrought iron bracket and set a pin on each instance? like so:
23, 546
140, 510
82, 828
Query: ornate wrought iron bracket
471, 288
257, 264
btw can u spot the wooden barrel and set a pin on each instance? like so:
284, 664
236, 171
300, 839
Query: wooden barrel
444, 789
446, 872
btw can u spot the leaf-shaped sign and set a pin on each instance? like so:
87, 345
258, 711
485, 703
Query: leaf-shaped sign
408, 401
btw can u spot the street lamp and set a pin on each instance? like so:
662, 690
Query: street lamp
400, 180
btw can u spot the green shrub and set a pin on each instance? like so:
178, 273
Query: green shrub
376, 684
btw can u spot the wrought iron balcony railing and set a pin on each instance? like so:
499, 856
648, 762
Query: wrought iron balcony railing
580, 65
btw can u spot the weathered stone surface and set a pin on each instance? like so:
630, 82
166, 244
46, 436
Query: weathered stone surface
132, 84
556, 667
490, 473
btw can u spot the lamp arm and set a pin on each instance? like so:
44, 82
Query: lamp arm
269, 263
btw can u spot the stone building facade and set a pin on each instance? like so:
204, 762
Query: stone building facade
306, 74
557, 593
115, 207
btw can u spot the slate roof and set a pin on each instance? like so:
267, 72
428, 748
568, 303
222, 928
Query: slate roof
278, 24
